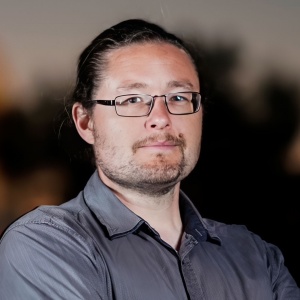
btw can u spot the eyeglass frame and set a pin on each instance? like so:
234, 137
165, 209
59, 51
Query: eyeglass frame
113, 103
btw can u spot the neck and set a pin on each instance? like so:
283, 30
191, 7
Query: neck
161, 212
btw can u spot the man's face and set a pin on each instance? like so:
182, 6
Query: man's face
148, 154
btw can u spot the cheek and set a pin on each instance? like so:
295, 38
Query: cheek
193, 135
192, 128
125, 130
117, 137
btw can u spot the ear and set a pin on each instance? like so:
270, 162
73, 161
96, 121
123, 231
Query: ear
83, 122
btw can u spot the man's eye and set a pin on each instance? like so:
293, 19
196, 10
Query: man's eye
178, 98
133, 100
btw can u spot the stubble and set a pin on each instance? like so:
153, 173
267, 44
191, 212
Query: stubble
155, 177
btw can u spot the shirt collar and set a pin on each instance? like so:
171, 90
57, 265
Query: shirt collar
110, 211
202, 229
120, 220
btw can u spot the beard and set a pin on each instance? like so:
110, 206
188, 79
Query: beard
155, 177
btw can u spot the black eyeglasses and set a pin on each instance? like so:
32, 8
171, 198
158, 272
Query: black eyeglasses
139, 105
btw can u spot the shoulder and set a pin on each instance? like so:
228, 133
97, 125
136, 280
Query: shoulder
238, 236
238, 240
45, 248
50, 223
225, 229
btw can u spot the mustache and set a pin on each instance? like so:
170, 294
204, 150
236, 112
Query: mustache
167, 137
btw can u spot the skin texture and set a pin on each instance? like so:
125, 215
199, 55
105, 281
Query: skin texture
143, 159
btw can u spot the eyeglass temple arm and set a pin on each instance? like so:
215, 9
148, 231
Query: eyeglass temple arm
105, 102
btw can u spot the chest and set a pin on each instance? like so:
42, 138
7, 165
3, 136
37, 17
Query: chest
143, 267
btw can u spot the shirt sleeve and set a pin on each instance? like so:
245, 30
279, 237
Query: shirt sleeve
283, 284
46, 261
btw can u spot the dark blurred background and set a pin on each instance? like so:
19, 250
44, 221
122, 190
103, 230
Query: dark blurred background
249, 169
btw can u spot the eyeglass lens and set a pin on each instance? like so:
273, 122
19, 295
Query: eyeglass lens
141, 104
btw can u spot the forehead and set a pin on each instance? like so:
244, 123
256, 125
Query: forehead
139, 50
153, 60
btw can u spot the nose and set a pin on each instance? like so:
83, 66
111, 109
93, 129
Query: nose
159, 117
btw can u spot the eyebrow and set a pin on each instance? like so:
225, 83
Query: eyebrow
186, 84
131, 86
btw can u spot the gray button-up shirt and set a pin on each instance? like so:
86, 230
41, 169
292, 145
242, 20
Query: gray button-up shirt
94, 247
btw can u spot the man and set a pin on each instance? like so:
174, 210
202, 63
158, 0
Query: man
132, 233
